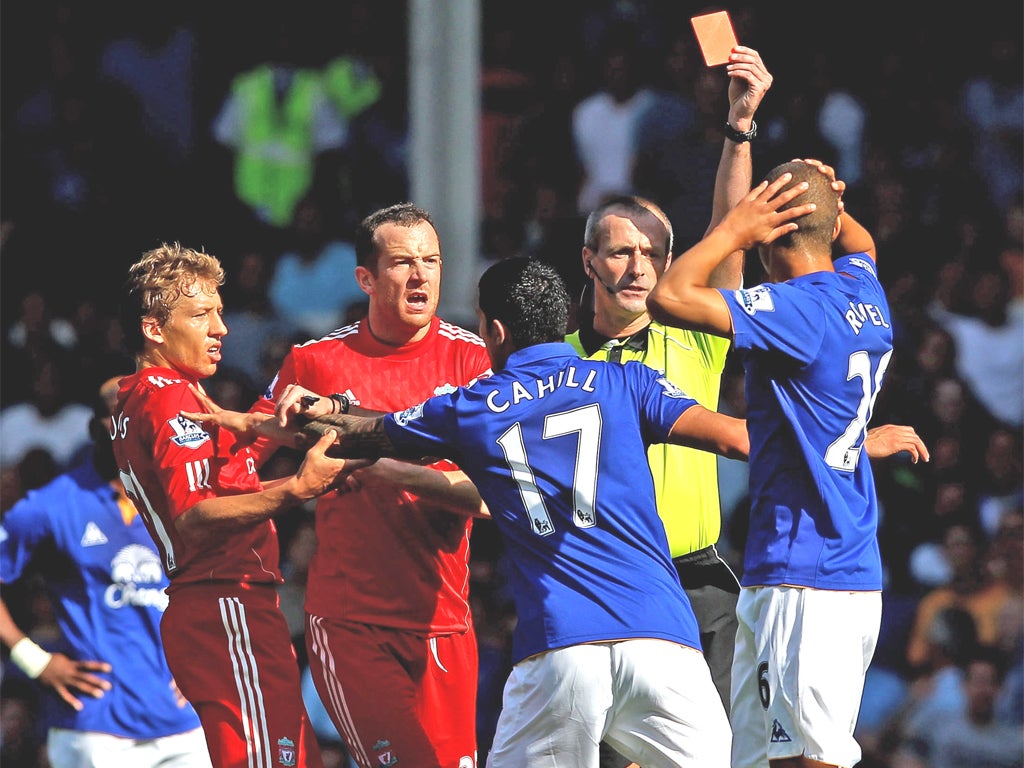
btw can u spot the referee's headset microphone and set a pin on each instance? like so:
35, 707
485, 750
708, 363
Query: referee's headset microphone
594, 273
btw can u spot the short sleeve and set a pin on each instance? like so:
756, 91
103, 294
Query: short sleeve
778, 318
427, 429
662, 402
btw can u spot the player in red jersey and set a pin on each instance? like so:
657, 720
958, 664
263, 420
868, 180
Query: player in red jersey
388, 627
225, 638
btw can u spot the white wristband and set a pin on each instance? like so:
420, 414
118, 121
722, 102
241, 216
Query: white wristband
29, 657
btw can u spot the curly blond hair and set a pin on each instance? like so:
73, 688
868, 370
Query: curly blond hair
158, 280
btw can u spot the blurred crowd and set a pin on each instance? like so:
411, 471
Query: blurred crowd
127, 124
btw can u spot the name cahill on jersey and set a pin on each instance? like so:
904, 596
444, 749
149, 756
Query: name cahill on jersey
566, 378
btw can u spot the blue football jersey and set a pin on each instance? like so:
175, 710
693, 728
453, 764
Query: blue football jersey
556, 446
815, 350
107, 588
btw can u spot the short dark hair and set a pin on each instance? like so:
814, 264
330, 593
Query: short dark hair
529, 297
402, 214
631, 205
815, 227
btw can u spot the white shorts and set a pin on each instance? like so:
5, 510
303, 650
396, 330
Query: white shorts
89, 749
798, 673
653, 701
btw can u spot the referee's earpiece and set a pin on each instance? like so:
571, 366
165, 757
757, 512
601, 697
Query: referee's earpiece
591, 272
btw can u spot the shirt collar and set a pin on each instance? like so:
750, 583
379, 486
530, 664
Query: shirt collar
591, 340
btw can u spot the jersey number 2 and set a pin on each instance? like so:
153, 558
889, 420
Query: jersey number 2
586, 424
844, 452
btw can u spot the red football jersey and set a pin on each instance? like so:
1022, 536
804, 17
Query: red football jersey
394, 561
168, 464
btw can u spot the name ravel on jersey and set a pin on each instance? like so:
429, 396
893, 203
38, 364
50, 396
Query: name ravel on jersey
860, 313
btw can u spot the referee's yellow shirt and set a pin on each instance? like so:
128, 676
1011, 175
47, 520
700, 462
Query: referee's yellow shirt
685, 479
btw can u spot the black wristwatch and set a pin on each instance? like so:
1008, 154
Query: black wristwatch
740, 136
343, 402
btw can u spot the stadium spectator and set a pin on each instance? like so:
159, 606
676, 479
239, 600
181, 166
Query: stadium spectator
967, 585
976, 737
313, 281
48, 419
989, 345
280, 126
603, 123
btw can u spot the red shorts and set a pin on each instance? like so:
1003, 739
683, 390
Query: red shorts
231, 655
396, 695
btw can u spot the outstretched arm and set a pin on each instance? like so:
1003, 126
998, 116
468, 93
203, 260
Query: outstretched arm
708, 430
749, 81
699, 427
367, 455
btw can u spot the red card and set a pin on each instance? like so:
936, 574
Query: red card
716, 36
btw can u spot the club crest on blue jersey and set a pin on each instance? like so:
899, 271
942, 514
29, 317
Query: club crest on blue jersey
671, 390
286, 752
754, 300
409, 414
187, 433
865, 264
135, 576
136, 564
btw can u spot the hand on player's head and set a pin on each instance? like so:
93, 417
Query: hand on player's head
759, 218
837, 184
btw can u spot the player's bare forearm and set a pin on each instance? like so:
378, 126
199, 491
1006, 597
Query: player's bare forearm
854, 238
683, 297
9, 631
732, 182
749, 81
707, 430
